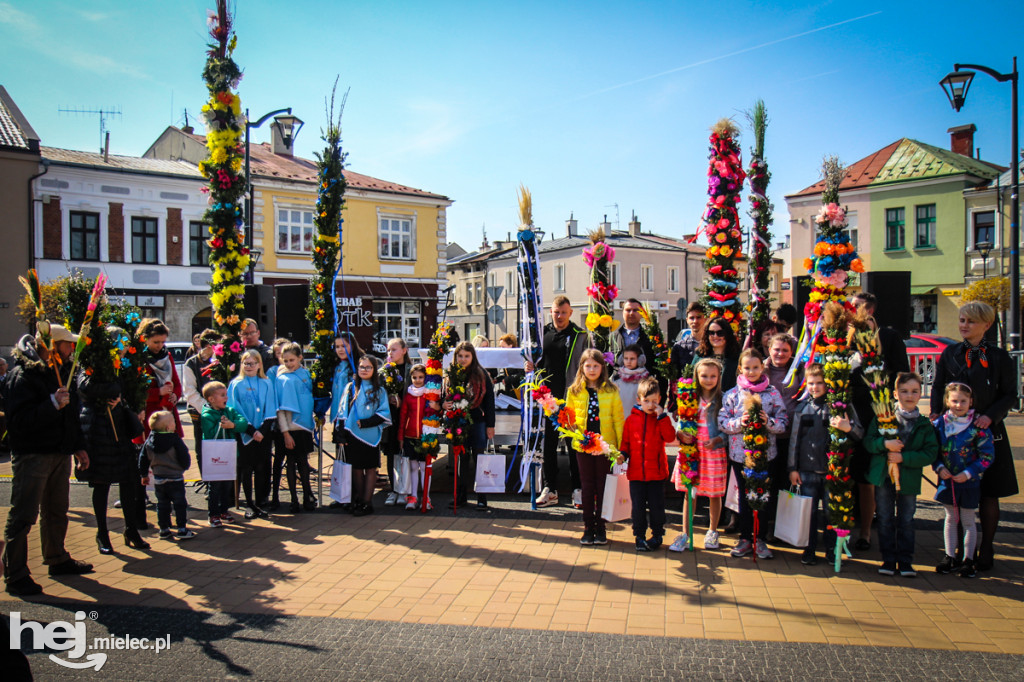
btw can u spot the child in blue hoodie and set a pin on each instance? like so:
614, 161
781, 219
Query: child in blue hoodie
166, 453
252, 394
364, 412
965, 451
294, 390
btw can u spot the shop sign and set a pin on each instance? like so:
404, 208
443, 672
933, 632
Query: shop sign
352, 314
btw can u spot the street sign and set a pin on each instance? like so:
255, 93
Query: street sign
496, 314
494, 293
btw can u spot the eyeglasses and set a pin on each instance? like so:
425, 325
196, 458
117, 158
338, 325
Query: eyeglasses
254, 332
716, 332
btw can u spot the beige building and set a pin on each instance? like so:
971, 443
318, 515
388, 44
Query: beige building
663, 272
20, 161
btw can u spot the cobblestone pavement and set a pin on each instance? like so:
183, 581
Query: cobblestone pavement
208, 646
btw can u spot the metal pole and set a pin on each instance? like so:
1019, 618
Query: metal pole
1014, 219
248, 201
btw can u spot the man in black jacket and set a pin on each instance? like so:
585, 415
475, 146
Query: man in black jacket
45, 430
563, 345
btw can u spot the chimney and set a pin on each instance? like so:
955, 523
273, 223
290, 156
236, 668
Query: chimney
634, 226
570, 227
961, 139
605, 225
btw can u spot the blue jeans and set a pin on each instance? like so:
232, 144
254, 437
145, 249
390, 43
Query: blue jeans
168, 494
895, 524
813, 486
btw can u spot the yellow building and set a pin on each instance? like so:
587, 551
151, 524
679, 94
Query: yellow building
393, 239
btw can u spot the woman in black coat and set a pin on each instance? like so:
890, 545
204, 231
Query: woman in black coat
109, 428
991, 374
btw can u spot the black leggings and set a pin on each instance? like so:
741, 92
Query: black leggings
101, 496
254, 463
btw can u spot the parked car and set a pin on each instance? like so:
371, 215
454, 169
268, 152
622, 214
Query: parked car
179, 353
923, 351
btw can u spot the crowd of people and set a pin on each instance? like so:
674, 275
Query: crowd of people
267, 412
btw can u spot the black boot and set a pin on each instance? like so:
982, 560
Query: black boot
133, 539
103, 542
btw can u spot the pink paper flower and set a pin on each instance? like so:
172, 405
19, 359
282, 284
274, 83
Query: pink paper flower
236, 347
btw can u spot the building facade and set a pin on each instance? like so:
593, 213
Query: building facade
907, 213
393, 248
20, 162
662, 272
139, 221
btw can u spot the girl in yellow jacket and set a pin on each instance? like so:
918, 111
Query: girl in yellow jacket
597, 406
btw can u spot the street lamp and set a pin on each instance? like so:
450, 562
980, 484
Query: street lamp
984, 248
955, 85
248, 182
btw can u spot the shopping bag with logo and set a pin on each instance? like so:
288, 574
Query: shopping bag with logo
793, 518
490, 473
341, 483
220, 459
617, 505
732, 493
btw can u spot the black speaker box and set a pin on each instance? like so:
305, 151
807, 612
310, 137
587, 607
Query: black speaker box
259, 305
893, 292
801, 295
292, 300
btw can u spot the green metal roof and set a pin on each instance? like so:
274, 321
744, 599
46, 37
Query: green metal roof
915, 160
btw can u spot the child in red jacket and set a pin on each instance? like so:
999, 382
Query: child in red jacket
646, 431
410, 429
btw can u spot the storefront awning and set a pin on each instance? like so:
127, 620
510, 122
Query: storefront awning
922, 289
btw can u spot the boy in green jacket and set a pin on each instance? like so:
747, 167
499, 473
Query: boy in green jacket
219, 421
914, 447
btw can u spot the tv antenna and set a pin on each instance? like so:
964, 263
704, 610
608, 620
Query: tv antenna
103, 112
616, 206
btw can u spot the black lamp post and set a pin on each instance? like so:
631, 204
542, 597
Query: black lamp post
984, 249
248, 184
955, 85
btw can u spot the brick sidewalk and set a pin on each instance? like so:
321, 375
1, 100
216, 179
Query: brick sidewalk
533, 574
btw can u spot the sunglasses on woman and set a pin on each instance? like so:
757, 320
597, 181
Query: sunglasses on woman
716, 332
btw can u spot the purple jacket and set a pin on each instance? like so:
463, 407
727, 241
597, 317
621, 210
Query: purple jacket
732, 412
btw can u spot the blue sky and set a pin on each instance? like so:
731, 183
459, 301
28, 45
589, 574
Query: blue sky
590, 104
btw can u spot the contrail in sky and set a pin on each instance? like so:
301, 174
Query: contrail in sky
723, 56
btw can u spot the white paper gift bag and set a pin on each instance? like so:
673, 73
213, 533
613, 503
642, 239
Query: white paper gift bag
490, 474
617, 505
732, 493
341, 483
793, 518
220, 458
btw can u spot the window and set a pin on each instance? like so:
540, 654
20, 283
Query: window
396, 241
894, 218
198, 249
851, 228
85, 236
397, 319
510, 276
984, 228
673, 278
492, 279
469, 294
646, 278
613, 274
144, 240
772, 284
925, 233
559, 277
472, 329
478, 299
294, 231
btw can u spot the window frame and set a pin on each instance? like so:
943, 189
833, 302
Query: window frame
895, 218
852, 230
558, 277
201, 241
85, 232
974, 228
145, 222
646, 272
411, 234
478, 291
928, 222
613, 274
672, 277
301, 226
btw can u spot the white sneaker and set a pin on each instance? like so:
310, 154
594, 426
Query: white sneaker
711, 540
391, 500
547, 498
577, 498
410, 502
762, 550
680, 544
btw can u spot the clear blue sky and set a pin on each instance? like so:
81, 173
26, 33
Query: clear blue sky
590, 104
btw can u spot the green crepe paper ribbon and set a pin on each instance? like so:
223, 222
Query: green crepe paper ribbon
842, 547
